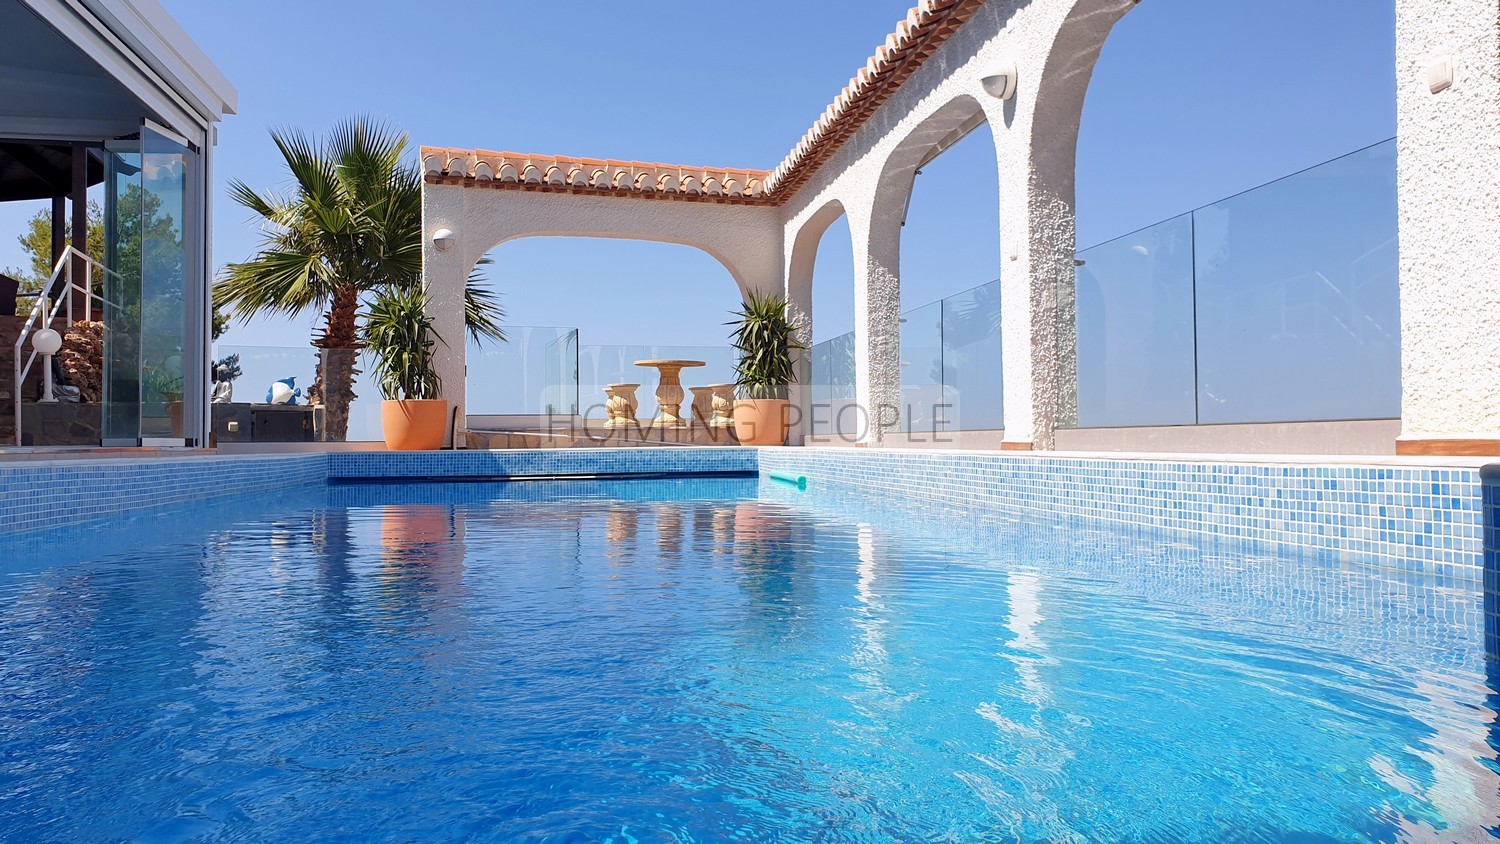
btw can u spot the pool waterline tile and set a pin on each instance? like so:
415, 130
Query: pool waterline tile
1421, 519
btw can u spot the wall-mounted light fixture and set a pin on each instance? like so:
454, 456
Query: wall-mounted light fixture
1440, 74
1000, 82
443, 239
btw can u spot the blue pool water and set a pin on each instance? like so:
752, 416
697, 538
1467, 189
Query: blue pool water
724, 660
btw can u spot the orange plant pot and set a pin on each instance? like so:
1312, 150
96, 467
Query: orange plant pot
414, 424
761, 421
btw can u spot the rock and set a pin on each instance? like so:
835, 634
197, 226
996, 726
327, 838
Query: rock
82, 359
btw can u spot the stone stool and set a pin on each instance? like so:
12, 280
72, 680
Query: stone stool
702, 405
722, 405
621, 405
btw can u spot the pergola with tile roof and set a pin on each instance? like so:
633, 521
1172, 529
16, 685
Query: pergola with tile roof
920, 91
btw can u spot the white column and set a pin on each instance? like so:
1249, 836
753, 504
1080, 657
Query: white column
799, 308
445, 274
875, 230
1448, 177
1038, 334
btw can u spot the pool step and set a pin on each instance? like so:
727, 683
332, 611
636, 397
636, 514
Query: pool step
591, 436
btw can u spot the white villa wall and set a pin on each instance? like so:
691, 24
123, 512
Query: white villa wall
1448, 176
1054, 46
1449, 181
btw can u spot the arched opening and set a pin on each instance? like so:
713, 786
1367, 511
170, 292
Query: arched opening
581, 310
927, 226
833, 282
830, 369
1215, 288
950, 291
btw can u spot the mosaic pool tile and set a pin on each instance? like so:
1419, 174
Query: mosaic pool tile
81, 493
1424, 520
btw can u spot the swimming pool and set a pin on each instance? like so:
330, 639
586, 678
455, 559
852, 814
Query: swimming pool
714, 659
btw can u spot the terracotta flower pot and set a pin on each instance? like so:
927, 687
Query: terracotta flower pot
174, 416
761, 421
414, 424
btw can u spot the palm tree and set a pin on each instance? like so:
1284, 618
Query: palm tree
351, 227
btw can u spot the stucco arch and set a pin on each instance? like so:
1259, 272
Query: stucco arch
802, 254
726, 263
1062, 81
938, 130
745, 239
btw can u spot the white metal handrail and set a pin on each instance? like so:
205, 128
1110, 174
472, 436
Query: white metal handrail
63, 271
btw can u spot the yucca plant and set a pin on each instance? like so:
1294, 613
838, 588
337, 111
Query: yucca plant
763, 337
399, 335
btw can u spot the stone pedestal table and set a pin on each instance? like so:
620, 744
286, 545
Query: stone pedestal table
669, 391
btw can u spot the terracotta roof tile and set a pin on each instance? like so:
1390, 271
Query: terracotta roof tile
926, 26
592, 175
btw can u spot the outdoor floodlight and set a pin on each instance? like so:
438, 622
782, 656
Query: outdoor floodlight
1001, 82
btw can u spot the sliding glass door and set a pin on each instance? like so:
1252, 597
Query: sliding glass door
122, 295
156, 311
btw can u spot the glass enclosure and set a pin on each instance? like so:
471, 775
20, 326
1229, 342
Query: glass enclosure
923, 404
534, 372
1135, 328
121, 422
950, 370
1280, 304
832, 387
154, 313
1297, 297
165, 168
971, 360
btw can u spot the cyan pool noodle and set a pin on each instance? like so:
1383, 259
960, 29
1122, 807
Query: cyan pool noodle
788, 477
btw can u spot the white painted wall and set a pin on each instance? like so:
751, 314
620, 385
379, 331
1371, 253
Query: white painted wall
1054, 46
1448, 177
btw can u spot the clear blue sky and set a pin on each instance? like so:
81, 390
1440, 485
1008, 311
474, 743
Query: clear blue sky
1192, 101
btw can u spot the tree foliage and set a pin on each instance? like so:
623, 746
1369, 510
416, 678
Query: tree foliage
36, 241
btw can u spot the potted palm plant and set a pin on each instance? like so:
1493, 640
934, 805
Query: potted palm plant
763, 337
399, 336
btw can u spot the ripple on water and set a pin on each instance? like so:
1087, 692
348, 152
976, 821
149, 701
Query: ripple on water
676, 661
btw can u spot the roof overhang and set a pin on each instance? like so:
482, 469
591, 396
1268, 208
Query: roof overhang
593, 176
139, 44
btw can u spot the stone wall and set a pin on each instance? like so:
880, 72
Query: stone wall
10, 330
62, 423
